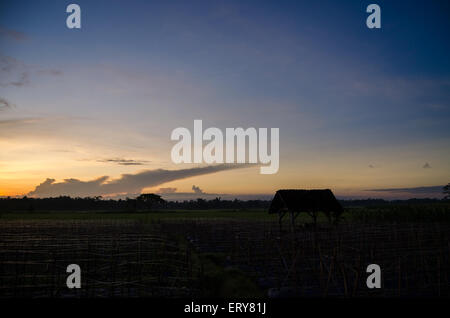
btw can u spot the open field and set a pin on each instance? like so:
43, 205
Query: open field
436, 212
142, 216
223, 253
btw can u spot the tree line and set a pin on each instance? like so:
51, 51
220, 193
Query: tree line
150, 201
141, 203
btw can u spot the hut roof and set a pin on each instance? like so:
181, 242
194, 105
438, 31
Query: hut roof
305, 201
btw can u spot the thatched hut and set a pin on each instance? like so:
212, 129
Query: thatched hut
310, 201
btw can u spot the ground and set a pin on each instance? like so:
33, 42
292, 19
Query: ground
225, 253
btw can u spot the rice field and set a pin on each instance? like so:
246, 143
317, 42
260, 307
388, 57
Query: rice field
116, 259
201, 257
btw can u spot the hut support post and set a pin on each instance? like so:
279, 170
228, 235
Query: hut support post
293, 217
292, 221
280, 217
314, 215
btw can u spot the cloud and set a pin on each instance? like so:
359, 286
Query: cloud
125, 162
127, 183
50, 72
426, 165
72, 187
19, 121
414, 190
197, 190
13, 34
5, 104
27, 121
371, 166
13, 72
16, 73
21, 79
167, 190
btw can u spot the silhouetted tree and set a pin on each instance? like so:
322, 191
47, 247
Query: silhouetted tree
150, 200
447, 191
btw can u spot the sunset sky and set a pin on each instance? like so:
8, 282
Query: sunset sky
364, 112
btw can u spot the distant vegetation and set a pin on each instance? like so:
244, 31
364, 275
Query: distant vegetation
411, 211
143, 202
447, 191
147, 202
152, 207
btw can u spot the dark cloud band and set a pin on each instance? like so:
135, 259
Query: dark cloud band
127, 183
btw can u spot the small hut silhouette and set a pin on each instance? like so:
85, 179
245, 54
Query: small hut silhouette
310, 201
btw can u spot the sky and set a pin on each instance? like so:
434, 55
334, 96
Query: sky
364, 112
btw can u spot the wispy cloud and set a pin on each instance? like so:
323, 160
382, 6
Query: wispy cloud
167, 190
13, 72
35, 120
51, 72
124, 162
13, 34
5, 104
21, 128
20, 80
414, 190
127, 183
17, 74
20, 121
